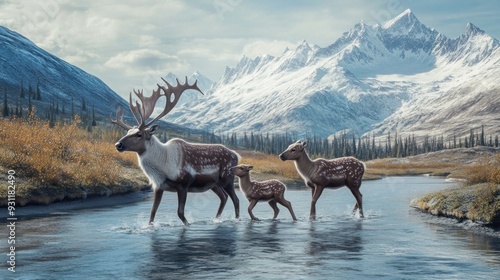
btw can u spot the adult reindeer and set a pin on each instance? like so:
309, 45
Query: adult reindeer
322, 173
176, 166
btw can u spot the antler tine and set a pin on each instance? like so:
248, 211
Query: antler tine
119, 120
176, 91
136, 108
142, 111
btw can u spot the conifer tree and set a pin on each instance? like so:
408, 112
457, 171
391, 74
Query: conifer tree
21, 93
5, 110
93, 115
16, 113
30, 107
84, 107
38, 94
72, 108
482, 140
20, 110
31, 93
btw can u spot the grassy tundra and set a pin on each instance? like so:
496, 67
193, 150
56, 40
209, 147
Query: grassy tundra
62, 162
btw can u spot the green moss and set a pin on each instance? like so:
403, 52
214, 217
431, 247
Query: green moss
486, 206
479, 203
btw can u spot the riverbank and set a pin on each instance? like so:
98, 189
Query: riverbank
479, 203
66, 207
30, 192
476, 196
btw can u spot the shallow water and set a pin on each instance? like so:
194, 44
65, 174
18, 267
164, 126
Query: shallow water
393, 241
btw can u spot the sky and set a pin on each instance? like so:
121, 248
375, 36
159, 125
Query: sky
131, 44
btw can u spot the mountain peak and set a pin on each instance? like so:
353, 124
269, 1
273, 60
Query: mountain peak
406, 19
471, 29
304, 46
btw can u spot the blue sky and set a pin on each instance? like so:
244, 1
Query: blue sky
130, 44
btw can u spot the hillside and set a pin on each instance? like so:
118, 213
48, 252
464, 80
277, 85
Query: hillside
24, 63
64, 89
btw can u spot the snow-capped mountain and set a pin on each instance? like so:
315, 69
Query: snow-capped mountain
401, 75
22, 62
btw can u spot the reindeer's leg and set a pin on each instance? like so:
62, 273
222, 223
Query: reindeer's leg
157, 199
318, 190
313, 188
182, 196
288, 205
250, 207
232, 194
223, 199
359, 200
275, 208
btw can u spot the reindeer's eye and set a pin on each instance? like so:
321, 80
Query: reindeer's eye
138, 135
292, 150
241, 168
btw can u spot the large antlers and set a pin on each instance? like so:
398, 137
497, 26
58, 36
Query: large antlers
143, 110
170, 102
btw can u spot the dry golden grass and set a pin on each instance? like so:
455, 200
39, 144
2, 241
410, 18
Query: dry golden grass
59, 162
388, 167
269, 164
485, 171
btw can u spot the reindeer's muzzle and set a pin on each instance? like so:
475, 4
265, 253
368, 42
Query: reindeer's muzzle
282, 156
120, 147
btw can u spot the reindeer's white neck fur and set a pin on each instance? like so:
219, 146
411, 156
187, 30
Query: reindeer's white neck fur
245, 184
304, 165
160, 161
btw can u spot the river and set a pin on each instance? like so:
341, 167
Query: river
393, 241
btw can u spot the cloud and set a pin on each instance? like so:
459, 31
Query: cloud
144, 59
142, 39
147, 65
272, 47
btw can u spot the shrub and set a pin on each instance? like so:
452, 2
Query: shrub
485, 171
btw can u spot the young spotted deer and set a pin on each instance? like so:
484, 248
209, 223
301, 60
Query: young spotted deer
176, 166
272, 191
322, 173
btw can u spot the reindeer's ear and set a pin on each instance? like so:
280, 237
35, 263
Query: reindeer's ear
250, 167
153, 129
304, 144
